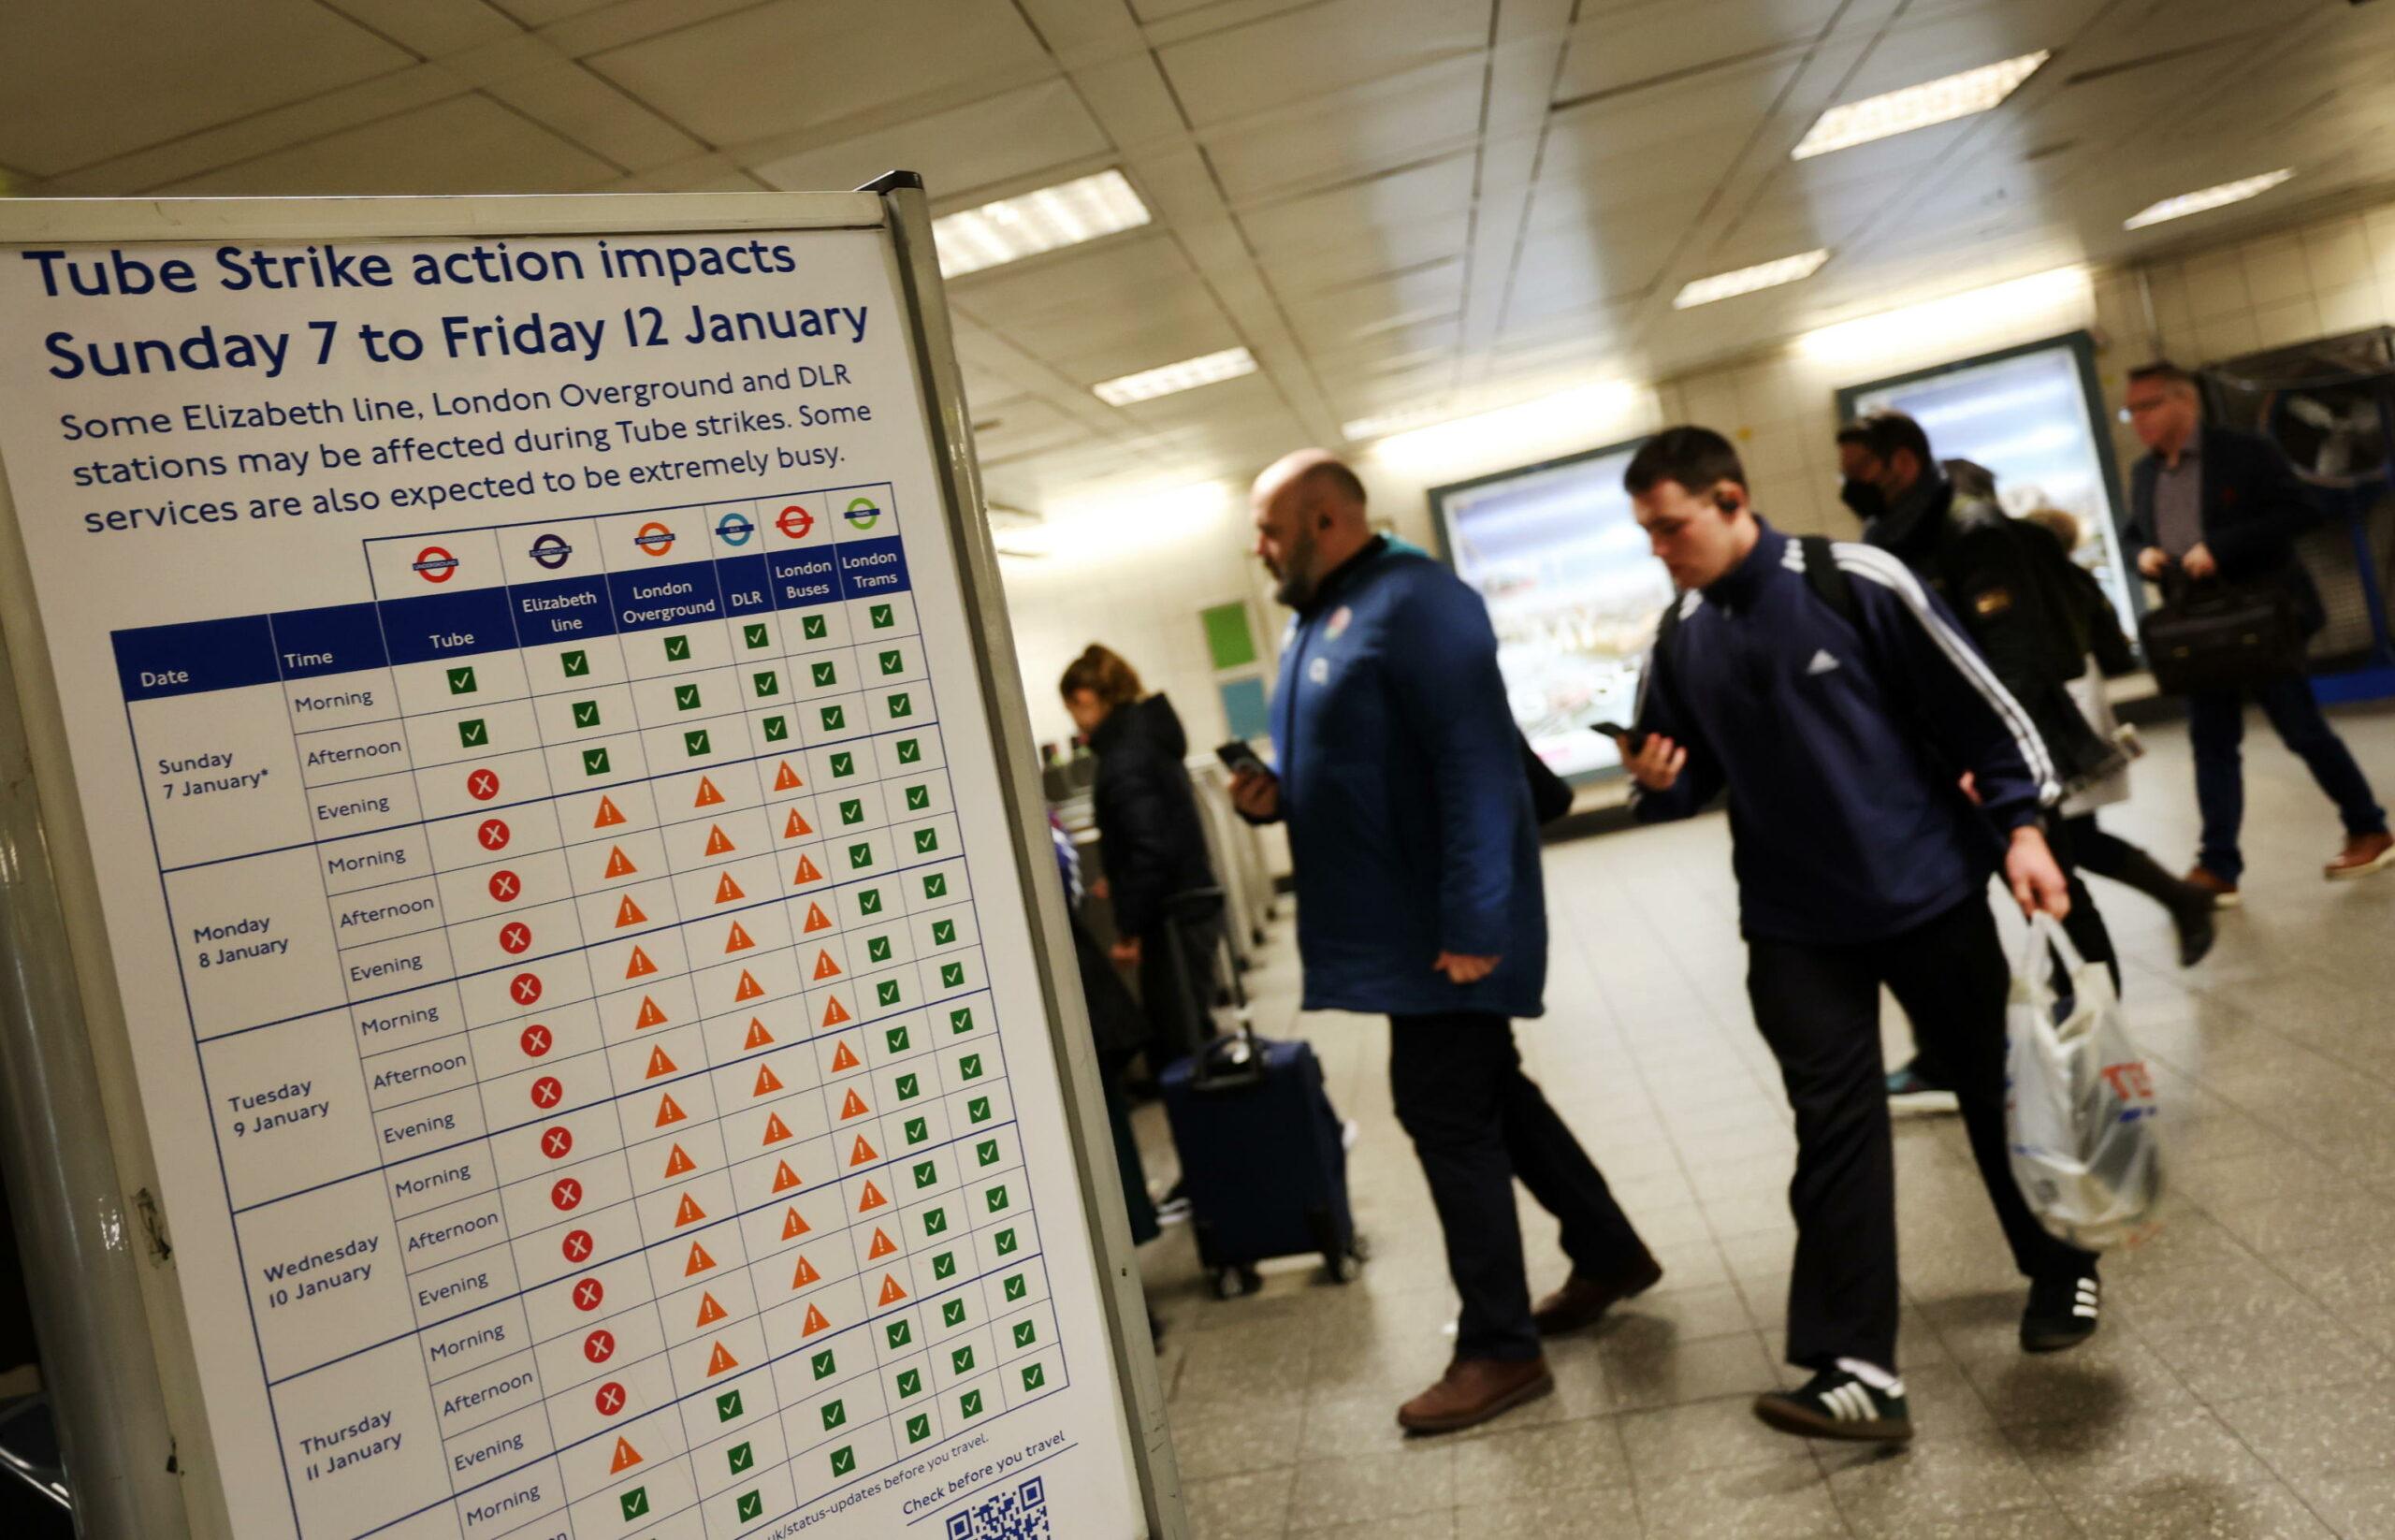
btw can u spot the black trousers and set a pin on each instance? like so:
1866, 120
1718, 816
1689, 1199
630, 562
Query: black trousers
1818, 1009
1178, 972
2084, 924
1477, 1122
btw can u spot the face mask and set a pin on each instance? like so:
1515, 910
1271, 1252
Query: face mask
1864, 498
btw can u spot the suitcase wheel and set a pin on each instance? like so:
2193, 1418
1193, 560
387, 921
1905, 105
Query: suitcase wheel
1231, 1283
1344, 1267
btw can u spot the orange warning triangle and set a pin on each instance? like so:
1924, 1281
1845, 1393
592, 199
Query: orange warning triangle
679, 1161
619, 863
891, 1292
658, 1064
700, 1261
796, 827
816, 919
814, 1323
793, 1225
805, 1273
738, 941
824, 966
608, 815
882, 1246
649, 1014
853, 1107
776, 1130
690, 1213
718, 842
626, 1457
807, 871
768, 1082
843, 1057
834, 1011
708, 797
628, 913
640, 966
726, 890
720, 1360
872, 1199
710, 1312
785, 778
758, 1035
667, 1112
784, 1178
861, 1152
749, 988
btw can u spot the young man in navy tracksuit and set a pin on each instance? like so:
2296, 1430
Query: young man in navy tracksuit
1842, 729
1401, 780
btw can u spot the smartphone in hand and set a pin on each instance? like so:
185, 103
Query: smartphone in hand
1238, 757
1614, 730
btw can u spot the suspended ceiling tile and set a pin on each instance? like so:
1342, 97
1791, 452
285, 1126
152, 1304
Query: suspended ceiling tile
1621, 46
1408, 194
1317, 51
1000, 138
541, 13
1365, 253
792, 64
586, 110
86, 86
468, 144
1337, 138
433, 28
1964, 38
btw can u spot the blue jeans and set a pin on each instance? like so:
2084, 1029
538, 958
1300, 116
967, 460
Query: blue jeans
2216, 726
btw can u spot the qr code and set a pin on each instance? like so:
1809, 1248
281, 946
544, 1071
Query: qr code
1018, 1515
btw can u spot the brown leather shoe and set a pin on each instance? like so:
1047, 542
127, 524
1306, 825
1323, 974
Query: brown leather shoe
2224, 891
1471, 1392
2362, 855
1583, 1300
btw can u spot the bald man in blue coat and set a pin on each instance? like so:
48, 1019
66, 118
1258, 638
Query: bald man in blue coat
1416, 859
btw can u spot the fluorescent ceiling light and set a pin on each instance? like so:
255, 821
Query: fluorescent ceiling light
1012, 228
1762, 275
1917, 106
1188, 374
2210, 197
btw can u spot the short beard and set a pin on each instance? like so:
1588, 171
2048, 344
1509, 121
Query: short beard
1297, 578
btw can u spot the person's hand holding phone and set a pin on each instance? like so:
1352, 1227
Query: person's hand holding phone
1255, 792
1654, 762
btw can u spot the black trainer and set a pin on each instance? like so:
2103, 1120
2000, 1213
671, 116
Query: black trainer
2062, 1312
1837, 1405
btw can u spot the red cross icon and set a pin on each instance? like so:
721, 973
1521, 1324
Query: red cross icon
599, 1346
515, 937
483, 785
577, 1245
588, 1293
567, 1193
505, 886
527, 988
535, 1040
555, 1142
547, 1091
493, 834
610, 1399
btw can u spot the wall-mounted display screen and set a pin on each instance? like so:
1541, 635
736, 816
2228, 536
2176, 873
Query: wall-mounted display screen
2033, 416
1572, 589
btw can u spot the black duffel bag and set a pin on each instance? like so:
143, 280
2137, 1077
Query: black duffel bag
2214, 635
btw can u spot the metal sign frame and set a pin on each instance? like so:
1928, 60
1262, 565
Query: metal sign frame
115, 1342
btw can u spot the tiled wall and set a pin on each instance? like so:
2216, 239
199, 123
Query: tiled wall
2324, 277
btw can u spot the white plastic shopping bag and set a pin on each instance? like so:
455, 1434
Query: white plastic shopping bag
2081, 1113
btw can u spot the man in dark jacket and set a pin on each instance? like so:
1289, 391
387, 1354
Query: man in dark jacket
1418, 896
1859, 863
2212, 504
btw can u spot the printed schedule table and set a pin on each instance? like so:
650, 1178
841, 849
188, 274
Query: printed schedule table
581, 952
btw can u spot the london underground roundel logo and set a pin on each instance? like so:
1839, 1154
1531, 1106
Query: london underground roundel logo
434, 564
654, 539
551, 550
863, 514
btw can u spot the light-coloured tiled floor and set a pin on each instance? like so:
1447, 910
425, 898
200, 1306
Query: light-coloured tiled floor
2244, 1381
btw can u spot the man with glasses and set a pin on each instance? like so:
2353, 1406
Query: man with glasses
2213, 504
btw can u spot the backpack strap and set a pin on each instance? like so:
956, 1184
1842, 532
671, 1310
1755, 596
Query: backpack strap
1828, 580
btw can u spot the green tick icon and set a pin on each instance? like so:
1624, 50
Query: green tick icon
835, 719
935, 1222
899, 1333
952, 1314
843, 765
834, 1415
695, 741
883, 617
893, 661
686, 697
917, 1429
936, 886
677, 649
635, 1502
768, 684
961, 1020
926, 841
813, 628
577, 664
987, 1151
776, 729
926, 1174
952, 975
943, 933
844, 1460
825, 1364
918, 1129
901, 706
752, 1507
594, 761
1005, 1242
886, 992
962, 1359
910, 1383
852, 810
909, 1088
1025, 1335
910, 752
896, 1039
869, 901
586, 713
878, 950
969, 1403
1033, 1376
944, 1265
461, 681
978, 1108
755, 635
740, 1457
969, 1067
473, 735
825, 674
997, 1197
918, 798
727, 1406
1017, 1287
860, 857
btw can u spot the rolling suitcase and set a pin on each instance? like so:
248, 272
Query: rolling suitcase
1263, 1162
